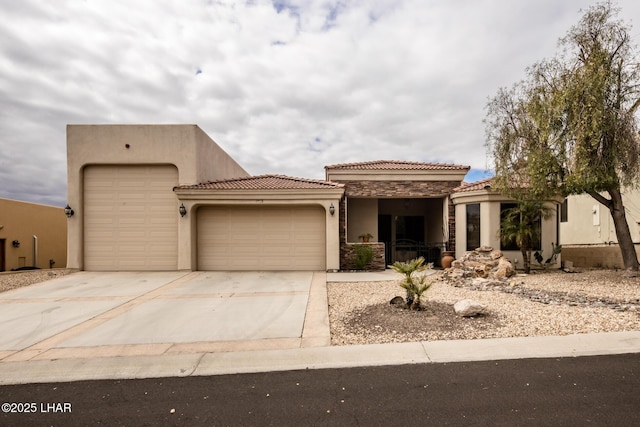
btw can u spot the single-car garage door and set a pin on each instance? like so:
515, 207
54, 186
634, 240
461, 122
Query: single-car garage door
130, 218
261, 238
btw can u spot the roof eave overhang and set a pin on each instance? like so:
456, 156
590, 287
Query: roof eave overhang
289, 194
486, 195
395, 175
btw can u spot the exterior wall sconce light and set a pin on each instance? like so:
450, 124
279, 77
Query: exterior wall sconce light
182, 210
15, 244
68, 211
332, 209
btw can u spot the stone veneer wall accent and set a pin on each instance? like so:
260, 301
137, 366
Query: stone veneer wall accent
398, 189
452, 227
347, 255
342, 221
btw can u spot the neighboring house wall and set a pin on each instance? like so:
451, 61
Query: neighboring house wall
196, 157
588, 236
490, 224
21, 221
590, 223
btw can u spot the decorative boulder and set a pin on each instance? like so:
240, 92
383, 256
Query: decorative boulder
469, 308
397, 301
504, 269
484, 262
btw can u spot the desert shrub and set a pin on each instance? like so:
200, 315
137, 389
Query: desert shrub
363, 256
413, 283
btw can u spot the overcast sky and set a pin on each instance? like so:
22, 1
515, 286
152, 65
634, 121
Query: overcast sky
285, 86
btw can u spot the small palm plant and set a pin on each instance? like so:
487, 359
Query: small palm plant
414, 285
519, 225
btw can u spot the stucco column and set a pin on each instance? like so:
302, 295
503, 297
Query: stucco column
75, 223
186, 236
332, 234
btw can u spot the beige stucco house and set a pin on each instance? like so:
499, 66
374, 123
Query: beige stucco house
32, 235
167, 197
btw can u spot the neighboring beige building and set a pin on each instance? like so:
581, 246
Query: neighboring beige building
587, 233
32, 235
478, 212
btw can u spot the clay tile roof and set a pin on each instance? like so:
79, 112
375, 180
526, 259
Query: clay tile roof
472, 186
262, 182
396, 165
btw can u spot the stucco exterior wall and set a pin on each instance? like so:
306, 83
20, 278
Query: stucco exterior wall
490, 225
197, 158
212, 161
362, 218
20, 221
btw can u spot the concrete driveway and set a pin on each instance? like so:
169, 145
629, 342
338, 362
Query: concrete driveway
89, 314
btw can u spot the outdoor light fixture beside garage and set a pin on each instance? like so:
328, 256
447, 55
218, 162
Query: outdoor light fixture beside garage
182, 210
68, 211
332, 209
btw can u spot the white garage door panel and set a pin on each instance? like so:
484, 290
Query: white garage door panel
261, 238
131, 219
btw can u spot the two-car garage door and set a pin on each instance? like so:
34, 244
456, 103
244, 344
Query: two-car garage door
261, 238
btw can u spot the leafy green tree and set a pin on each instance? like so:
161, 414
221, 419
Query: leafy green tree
413, 283
521, 224
570, 127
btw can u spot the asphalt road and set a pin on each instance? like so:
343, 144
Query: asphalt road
598, 390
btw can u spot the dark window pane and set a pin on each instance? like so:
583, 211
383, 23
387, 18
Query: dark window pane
473, 226
511, 244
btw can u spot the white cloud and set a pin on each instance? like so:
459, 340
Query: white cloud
285, 87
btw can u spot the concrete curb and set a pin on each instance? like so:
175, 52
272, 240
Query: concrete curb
205, 364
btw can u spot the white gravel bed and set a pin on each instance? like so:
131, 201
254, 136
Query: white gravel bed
17, 279
360, 313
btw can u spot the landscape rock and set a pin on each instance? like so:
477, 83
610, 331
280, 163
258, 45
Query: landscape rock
469, 308
397, 301
504, 269
481, 263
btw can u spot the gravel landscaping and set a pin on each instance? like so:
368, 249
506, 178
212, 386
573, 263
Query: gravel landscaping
546, 303
16, 279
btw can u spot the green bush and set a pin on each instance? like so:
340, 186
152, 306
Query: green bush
364, 256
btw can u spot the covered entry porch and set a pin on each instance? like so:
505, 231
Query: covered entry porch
408, 227
403, 204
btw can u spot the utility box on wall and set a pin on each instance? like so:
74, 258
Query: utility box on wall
595, 212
